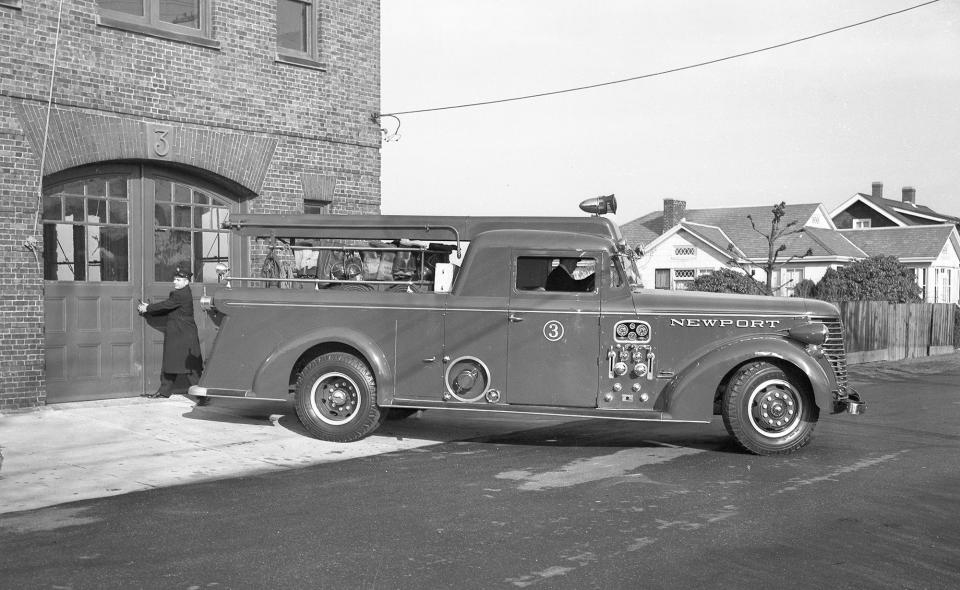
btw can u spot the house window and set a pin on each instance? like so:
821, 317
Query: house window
861, 223
789, 279
661, 278
683, 278
920, 276
297, 32
684, 251
179, 20
942, 287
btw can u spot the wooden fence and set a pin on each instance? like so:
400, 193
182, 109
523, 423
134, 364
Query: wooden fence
877, 330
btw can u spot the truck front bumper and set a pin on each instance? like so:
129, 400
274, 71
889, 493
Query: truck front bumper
848, 401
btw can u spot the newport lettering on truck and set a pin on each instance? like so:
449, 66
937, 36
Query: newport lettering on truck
365, 315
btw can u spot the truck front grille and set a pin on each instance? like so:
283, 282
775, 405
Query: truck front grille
834, 349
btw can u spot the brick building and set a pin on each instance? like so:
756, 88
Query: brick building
152, 120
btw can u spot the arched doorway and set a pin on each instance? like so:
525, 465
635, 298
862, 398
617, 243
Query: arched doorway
113, 234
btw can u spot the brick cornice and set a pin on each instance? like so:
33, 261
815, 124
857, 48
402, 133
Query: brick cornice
78, 137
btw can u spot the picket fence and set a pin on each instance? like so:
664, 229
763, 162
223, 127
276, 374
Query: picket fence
878, 330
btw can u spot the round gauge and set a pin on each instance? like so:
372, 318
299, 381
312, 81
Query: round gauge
643, 330
622, 330
632, 336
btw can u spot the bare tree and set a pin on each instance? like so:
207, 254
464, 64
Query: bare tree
778, 234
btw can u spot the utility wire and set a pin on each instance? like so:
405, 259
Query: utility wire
662, 72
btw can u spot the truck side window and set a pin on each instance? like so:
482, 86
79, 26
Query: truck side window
559, 274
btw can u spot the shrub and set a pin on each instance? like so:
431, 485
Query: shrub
726, 280
878, 278
806, 289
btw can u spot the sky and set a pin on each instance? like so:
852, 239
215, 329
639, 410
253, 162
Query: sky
813, 122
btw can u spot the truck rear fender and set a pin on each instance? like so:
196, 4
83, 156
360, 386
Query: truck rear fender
692, 392
277, 370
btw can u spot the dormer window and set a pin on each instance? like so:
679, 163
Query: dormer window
861, 223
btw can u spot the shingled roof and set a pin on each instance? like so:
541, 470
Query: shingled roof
901, 211
732, 225
922, 242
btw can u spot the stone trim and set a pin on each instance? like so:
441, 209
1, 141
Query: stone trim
77, 138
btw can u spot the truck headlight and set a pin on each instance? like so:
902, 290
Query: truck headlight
813, 333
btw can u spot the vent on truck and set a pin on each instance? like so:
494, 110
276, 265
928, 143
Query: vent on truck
834, 349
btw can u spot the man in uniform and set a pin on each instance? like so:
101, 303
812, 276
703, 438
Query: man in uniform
181, 343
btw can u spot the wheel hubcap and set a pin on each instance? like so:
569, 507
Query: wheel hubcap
775, 408
335, 398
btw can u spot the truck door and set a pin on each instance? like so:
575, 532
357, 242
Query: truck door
554, 329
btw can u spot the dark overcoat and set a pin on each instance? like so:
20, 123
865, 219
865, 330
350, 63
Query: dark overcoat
181, 344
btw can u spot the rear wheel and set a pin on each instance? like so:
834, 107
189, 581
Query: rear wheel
336, 398
768, 411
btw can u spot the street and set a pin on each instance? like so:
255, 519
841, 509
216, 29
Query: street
872, 502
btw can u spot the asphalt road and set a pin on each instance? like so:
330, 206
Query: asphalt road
873, 502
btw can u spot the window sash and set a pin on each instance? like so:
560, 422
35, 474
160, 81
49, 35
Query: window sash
300, 42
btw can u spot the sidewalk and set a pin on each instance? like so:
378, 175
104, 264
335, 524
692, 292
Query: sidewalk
75, 451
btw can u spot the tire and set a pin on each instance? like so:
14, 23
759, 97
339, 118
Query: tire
768, 411
336, 398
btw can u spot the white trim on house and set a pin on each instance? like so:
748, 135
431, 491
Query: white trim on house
942, 220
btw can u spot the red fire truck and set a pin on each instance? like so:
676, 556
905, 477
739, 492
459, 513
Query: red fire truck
361, 315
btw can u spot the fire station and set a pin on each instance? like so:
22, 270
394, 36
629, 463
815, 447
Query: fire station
128, 132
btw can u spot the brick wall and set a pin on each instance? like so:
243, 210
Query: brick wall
111, 84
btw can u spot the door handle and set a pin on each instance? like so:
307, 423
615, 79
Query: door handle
431, 359
515, 318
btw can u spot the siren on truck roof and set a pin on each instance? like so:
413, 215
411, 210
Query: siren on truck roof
600, 205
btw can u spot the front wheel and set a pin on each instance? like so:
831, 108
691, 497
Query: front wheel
336, 398
768, 411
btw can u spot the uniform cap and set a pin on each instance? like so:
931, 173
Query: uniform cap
182, 274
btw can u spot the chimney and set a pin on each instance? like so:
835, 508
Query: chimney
910, 195
673, 212
877, 190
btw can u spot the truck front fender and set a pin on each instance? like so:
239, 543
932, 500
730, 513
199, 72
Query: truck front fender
690, 394
273, 375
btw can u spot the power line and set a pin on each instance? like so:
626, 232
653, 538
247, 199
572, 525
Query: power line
660, 73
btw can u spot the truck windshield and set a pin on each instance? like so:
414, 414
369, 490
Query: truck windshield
628, 266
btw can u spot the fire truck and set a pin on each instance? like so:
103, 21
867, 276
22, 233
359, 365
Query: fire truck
355, 317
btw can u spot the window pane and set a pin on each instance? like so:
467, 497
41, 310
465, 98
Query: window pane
200, 198
118, 212
181, 194
117, 188
216, 248
172, 250
51, 207
97, 187
181, 216
161, 215
73, 208
73, 188
126, 6
181, 12
97, 210
58, 252
162, 190
292, 25
114, 254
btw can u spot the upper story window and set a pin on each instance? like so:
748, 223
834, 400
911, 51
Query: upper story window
861, 223
179, 20
297, 32
684, 251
